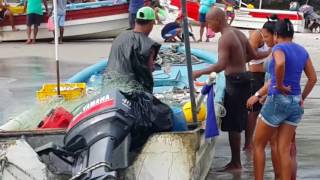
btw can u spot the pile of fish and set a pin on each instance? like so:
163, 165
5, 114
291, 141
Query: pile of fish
171, 55
174, 98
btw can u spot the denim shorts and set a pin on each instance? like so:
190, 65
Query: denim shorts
61, 20
280, 109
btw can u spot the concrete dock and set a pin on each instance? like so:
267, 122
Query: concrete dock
24, 68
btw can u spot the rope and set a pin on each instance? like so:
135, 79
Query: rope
89, 169
5, 163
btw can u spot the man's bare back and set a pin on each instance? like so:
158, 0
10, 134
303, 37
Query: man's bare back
233, 46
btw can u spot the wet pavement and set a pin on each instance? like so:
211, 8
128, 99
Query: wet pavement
23, 69
21, 77
308, 152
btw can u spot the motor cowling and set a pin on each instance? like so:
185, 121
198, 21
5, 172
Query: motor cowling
103, 124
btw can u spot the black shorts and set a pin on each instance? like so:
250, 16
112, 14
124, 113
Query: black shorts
256, 82
34, 19
236, 95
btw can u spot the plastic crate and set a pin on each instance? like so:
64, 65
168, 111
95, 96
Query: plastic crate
69, 91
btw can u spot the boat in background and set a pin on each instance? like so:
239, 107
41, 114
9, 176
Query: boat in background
250, 18
255, 18
103, 19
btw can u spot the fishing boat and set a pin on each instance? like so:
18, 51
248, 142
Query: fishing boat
178, 155
100, 141
183, 156
255, 18
102, 19
250, 18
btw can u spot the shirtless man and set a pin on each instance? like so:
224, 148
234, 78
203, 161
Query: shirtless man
234, 51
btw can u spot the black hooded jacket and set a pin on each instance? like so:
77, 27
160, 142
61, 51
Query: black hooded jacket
129, 57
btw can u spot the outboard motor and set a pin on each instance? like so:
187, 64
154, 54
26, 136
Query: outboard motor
98, 139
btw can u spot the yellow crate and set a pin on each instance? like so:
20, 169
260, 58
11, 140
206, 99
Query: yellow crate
69, 91
16, 9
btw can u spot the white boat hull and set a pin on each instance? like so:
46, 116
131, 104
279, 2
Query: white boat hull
174, 156
166, 156
97, 27
244, 20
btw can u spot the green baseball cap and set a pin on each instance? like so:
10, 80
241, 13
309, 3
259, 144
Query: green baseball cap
146, 13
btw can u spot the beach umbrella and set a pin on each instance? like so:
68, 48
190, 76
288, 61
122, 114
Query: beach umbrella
56, 48
189, 64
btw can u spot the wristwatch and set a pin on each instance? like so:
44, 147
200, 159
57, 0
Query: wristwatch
257, 94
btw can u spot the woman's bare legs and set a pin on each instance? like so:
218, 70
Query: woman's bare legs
262, 136
285, 135
274, 155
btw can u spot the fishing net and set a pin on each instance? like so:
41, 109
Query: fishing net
171, 55
111, 81
116, 81
176, 98
31, 118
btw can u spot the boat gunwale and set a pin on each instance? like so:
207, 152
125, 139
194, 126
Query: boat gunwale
59, 131
35, 132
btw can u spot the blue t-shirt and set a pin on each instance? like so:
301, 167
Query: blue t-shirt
169, 27
295, 60
135, 5
205, 6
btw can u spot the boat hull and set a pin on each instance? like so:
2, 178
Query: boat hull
255, 18
170, 155
175, 156
93, 23
250, 18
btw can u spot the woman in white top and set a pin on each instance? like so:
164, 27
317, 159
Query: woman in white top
256, 69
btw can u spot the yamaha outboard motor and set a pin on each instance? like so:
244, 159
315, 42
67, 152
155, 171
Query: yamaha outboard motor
96, 132
98, 139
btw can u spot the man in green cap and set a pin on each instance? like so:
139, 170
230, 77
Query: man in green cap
133, 53
129, 69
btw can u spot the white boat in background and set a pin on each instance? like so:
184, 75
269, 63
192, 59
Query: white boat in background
250, 18
103, 19
255, 18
